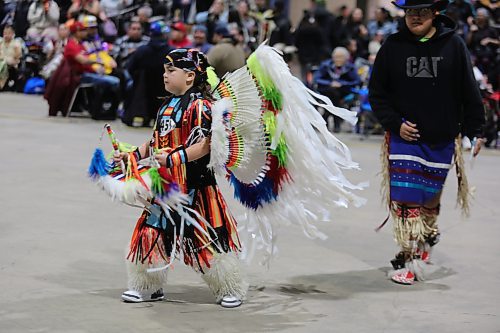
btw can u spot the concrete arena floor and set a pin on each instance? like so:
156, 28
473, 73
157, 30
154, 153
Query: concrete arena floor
62, 244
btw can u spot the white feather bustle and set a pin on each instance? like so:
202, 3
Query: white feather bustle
225, 277
316, 159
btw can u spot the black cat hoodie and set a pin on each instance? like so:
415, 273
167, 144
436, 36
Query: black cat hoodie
427, 83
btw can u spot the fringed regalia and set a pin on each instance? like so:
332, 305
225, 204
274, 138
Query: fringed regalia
180, 122
413, 176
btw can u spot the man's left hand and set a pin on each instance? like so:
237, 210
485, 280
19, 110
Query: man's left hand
477, 146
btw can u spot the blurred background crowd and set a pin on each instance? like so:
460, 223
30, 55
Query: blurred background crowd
104, 57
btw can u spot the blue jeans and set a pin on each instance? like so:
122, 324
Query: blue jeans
102, 81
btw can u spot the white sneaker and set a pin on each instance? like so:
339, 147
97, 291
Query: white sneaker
134, 296
230, 302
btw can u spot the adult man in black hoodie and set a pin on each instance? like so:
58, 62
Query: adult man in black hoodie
423, 92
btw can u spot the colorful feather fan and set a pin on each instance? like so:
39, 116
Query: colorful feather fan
272, 145
143, 184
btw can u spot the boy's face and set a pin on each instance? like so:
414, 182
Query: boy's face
176, 80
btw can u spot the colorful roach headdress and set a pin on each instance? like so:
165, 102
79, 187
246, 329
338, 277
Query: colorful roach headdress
190, 60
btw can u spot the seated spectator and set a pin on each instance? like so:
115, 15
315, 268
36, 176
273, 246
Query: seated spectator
178, 36
95, 48
200, 39
43, 17
10, 56
91, 71
335, 78
128, 44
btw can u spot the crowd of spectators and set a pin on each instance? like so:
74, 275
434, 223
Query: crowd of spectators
117, 46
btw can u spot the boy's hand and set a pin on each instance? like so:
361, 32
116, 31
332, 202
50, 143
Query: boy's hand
161, 157
118, 157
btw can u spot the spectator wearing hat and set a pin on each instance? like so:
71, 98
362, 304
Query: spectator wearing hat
67, 76
74, 51
423, 92
92, 42
91, 69
178, 36
200, 39
225, 56
43, 17
95, 47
